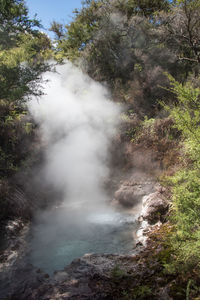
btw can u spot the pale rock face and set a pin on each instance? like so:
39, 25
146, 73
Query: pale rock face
154, 209
154, 206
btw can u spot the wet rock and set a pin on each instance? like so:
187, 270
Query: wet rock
92, 277
153, 213
13, 227
12, 258
154, 207
89, 277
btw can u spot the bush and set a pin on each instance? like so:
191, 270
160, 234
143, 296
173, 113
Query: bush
185, 241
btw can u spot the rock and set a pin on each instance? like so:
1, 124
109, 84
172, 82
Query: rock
130, 193
164, 294
13, 227
154, 207
128, 196
160, 188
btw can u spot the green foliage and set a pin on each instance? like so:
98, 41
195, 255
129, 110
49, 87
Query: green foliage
21, 66
141, 292
186, 115
23, 54
117, 273
129, 44
119, 42
186, 204
73, 38
143, 7
22, 58
14, 18
148, 123
185, 241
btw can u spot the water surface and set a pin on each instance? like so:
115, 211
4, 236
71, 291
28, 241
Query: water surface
63, 234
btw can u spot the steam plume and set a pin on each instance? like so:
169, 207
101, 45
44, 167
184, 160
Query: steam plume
77, 122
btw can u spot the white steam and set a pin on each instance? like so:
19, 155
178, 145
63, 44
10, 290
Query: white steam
77, 122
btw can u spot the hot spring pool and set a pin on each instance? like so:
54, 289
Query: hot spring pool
61, 235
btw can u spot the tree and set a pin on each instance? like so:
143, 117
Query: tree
180, 31
118, 42
23, 51
73, 38
14, 19
145, 8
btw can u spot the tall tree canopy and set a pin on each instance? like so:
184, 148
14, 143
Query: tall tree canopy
23, 53
130, 44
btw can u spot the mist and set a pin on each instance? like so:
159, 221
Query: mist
77, 121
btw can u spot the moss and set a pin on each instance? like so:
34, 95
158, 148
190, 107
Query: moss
142, 292
117, 273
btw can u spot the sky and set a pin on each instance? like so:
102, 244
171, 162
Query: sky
52, 10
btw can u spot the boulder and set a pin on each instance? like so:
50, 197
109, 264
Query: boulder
131, 193
154, 207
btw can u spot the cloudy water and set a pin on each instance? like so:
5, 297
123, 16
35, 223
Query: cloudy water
62, 235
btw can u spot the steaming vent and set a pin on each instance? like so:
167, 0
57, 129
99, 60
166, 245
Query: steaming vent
77, 122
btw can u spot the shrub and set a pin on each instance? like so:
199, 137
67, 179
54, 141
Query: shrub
185, 241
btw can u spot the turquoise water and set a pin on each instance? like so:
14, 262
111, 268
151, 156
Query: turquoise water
61, 235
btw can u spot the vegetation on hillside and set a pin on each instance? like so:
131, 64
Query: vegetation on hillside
130, 44
23, 54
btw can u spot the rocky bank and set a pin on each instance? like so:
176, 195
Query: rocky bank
93, 276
